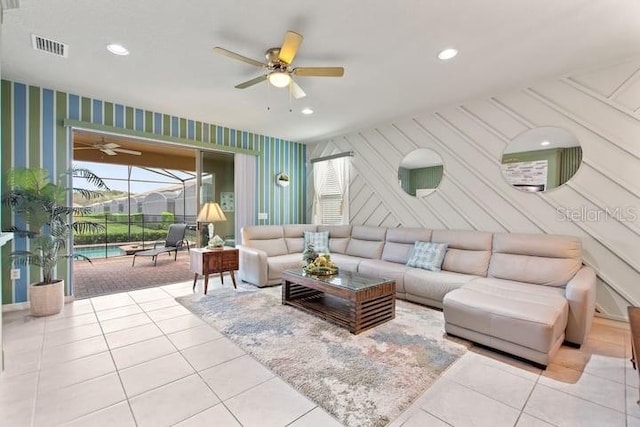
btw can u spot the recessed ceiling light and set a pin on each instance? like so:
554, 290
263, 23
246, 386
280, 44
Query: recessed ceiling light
545, 143
117, 49
307, 111
447, 54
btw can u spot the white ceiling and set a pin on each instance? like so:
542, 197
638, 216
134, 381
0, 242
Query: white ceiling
388, 50
421, 158
531, 140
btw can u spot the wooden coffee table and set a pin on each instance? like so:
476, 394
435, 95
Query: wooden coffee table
352, 300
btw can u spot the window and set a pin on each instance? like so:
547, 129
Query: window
331, 200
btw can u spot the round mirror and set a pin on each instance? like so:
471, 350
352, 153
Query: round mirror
420, 172
541, 159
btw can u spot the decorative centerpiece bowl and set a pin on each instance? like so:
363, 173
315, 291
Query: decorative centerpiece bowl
321, 265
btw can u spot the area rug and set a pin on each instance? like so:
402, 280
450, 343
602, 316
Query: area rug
362, 380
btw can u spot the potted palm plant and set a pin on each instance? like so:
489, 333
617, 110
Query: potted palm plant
48, 224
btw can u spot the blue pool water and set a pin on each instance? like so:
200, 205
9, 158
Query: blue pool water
99, 251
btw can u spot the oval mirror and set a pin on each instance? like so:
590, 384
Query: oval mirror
420, 172
541, 159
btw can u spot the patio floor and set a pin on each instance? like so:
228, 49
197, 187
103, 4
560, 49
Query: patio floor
115, 274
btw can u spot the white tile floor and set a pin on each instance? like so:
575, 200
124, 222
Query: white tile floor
141, 359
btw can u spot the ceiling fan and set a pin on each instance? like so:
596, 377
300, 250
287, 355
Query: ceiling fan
278, 66
109, 148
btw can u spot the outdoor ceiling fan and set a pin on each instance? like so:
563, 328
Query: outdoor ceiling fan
109, 148
278, 66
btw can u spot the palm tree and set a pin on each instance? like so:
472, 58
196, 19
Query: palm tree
44, 218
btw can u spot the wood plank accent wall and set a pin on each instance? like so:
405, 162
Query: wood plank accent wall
33, 134
601, 107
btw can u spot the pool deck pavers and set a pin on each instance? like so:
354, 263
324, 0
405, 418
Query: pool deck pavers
111, 275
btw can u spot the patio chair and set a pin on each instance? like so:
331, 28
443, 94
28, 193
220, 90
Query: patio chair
175, 240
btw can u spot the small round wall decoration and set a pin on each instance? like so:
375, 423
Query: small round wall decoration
282, 179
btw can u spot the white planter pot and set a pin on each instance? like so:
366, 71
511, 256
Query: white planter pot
46, 300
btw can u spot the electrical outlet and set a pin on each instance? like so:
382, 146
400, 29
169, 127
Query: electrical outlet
263, 216
15, 273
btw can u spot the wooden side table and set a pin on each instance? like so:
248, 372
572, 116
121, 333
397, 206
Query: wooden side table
203, 261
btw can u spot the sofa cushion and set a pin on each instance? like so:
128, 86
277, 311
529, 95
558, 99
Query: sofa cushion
521, 313
535, 258
366, 232
319, 240
277, 264
466, 262
533, 269
267, 238
469, 252
340, 231
388, 270
427, 255
464, 239
366, 242
346, 262
541, 245
433, 285
399, 243
339, 236
294, 236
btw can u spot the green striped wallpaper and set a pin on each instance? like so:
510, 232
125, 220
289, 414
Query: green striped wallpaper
413, 179
33, 132
570, 161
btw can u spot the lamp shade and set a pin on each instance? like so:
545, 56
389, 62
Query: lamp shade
279, 79
211, 212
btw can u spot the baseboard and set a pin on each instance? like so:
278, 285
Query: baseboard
612, 317
17, 306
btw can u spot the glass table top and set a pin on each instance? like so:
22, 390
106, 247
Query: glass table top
343, 279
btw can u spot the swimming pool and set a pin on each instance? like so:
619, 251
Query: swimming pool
99, 251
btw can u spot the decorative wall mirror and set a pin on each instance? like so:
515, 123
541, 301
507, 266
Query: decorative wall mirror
541, 159
420, 172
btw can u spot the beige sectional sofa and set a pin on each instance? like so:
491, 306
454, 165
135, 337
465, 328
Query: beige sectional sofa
524, 294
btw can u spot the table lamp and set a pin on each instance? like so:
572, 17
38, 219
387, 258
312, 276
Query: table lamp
211, 213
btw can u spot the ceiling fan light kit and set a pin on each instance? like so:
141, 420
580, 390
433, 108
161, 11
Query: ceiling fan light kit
278, 66
279, 79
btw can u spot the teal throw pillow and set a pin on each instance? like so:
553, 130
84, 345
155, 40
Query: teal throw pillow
427, 255
319, 240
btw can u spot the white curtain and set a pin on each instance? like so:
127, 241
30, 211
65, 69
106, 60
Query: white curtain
341, 167
320, 173
245, 191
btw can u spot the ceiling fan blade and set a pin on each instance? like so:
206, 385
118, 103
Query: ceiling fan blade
85, 148
108, 151
225, 52
296, 90
319, 71
109, 145
125, 151
290, 45
251, 82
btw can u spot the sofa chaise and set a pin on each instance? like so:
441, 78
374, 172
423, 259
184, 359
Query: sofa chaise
524, 294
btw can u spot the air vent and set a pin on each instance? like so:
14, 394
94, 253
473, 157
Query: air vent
53, 47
